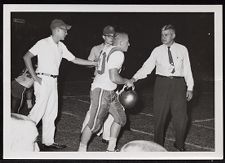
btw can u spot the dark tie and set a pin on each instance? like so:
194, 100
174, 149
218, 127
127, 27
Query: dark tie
171, 59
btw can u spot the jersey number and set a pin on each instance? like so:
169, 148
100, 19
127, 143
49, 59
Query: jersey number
101, 63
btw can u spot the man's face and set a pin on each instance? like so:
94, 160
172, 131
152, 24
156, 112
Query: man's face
167, 37
125, 44
108, 39
62, 32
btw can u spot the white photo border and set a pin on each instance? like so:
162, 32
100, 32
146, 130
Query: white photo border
218, 22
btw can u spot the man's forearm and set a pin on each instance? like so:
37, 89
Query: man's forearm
120, 80
133, 79
80, 61
28, 63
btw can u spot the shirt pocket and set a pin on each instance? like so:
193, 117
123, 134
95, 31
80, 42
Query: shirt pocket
179, 61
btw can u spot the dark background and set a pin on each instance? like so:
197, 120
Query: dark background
199, 43
194, 30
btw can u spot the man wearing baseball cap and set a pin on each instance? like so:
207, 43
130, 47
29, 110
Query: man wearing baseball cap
109, 30
59, 23
108, 35
49, 52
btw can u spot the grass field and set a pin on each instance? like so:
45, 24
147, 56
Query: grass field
74, 103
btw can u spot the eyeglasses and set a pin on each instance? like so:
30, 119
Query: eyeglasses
111, 36
64, 29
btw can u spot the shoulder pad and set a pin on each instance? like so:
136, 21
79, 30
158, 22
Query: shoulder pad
112, 51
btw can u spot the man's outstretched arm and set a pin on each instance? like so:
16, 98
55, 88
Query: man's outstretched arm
80, 61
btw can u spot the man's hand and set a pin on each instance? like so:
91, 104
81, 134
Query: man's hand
189, 95
95, 64
130, 83
38, 79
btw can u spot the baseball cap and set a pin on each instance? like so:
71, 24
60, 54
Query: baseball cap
109, 30
59, 23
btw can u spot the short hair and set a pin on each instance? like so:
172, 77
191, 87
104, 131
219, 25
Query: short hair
119, 36
169, 27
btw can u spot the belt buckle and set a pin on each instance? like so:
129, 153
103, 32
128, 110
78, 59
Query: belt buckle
171, 77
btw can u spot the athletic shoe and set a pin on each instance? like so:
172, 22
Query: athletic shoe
115, 150
52, 147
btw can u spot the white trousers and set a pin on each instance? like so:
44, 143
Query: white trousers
105, 130
46, 107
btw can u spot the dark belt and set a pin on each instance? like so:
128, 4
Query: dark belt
45, 74
170, 77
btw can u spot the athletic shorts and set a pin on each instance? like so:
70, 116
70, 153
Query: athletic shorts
105, 102
17, 90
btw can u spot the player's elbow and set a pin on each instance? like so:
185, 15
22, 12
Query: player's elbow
25, 57
114, 81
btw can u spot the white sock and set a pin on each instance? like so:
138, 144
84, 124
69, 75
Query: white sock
29, 104
112, 144
82, 148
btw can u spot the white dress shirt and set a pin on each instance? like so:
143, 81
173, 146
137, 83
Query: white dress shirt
159, 58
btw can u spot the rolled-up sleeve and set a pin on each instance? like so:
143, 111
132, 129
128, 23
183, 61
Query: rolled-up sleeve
35, 50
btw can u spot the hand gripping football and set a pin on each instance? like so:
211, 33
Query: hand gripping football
128, 97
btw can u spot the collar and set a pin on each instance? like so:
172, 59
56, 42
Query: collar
106, 45
53, 42
171, 46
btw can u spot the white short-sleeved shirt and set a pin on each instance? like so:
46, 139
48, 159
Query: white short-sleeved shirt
50, 55
103, 81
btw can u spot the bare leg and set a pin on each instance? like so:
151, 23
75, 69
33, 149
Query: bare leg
85, 138
114, 132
